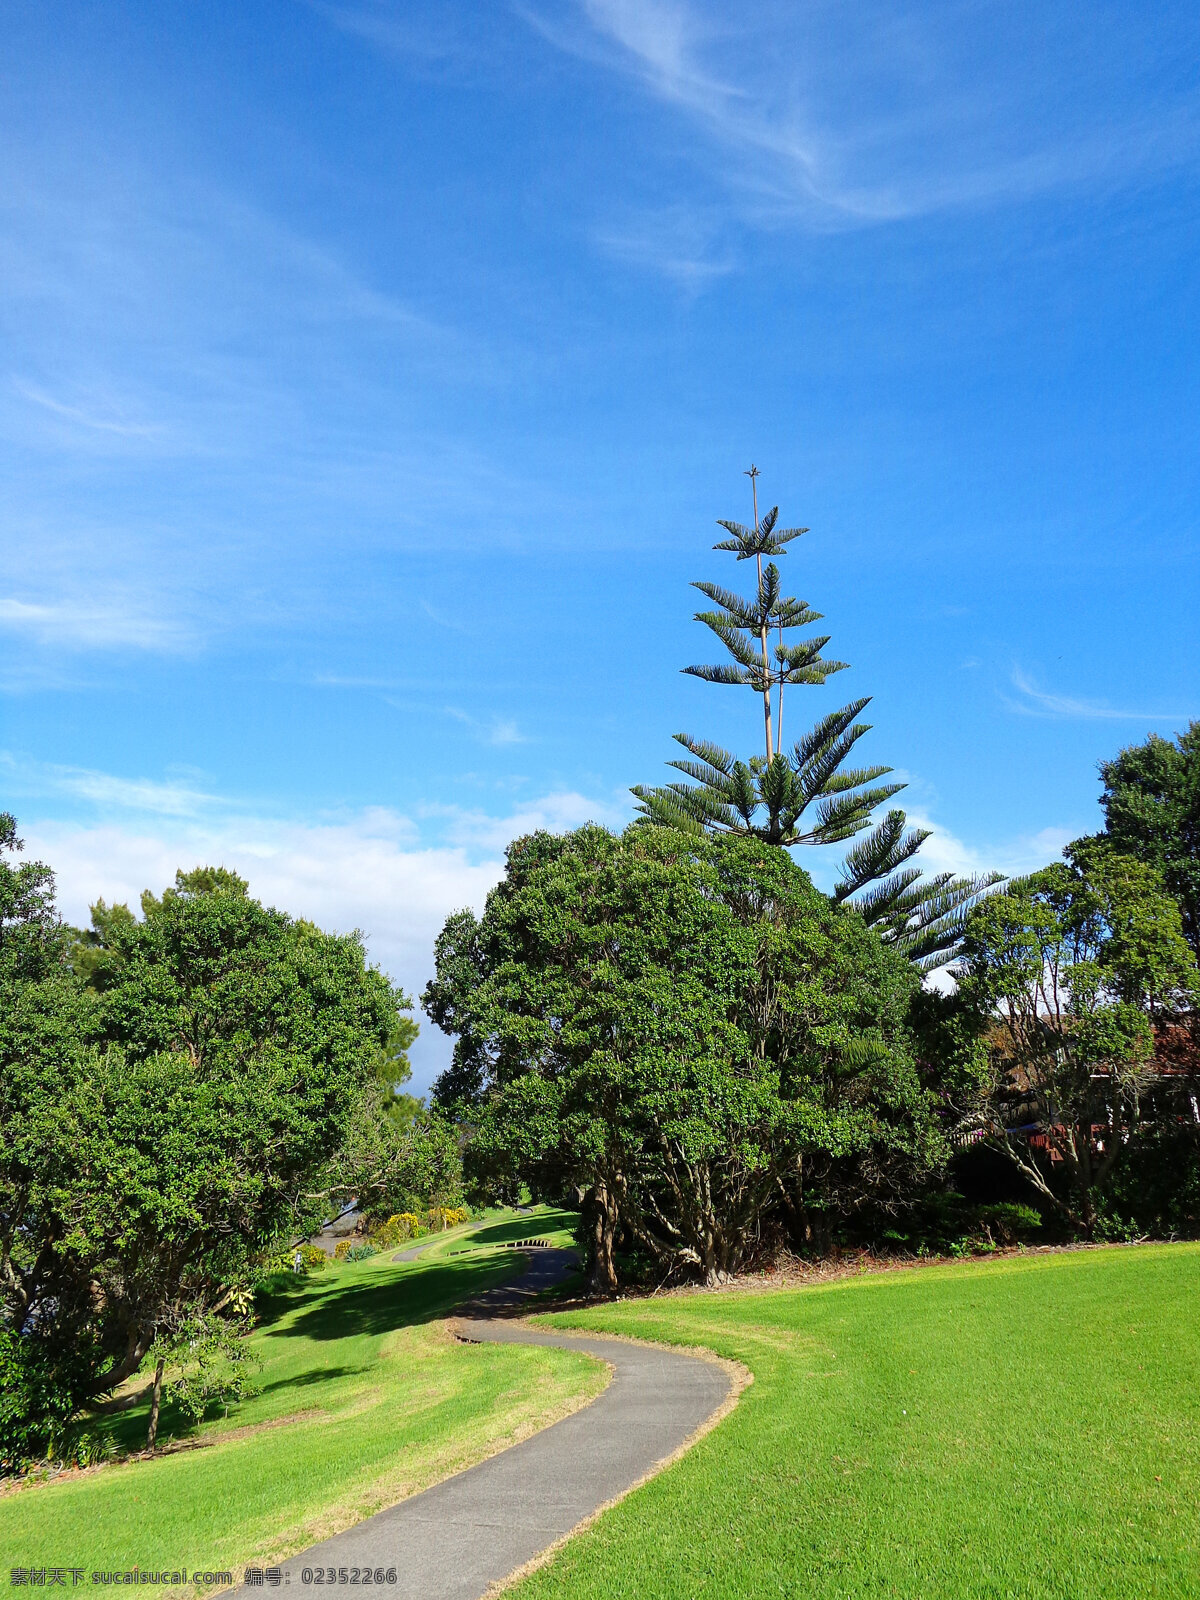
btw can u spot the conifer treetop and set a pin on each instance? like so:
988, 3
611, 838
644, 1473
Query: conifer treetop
809, 796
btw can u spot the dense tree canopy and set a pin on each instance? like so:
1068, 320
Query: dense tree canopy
173, 1107
1069, 970
1151, 807
685, 1031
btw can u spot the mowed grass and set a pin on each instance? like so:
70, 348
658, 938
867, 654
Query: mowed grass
1027, 1427
503, 1229
365, 1398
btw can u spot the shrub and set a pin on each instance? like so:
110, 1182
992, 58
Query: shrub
944, 1223
1007, 1222
441, 1217
312, 1259
361, 1251
1156, 1191
37, 1405
397, 1229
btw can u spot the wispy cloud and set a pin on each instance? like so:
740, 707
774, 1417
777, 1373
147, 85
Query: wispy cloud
680, 242
397, 30
174, 797
335, 680
836, 116
441, 619
90, 419
493, 730
84, 624
1037, 702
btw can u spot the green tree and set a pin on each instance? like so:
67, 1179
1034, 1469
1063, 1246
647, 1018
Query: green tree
394, 1162
43, 1015
174, 1120
1151, 807
810, 796
394, 1070
687, 1033
1069, 970
30, 930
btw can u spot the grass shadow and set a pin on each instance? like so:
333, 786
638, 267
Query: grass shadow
309, 1380
371, 1306
524, 1228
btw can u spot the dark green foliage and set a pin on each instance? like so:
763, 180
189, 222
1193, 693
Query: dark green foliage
173, 1099
396, 1164
30, 942
944, 1222
685, 1031
447, 1002
38, 1400
1155, 1192
1151, 806
42, 1016
1069, 970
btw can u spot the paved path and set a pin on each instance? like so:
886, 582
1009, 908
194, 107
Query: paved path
414, 1252
456, 1539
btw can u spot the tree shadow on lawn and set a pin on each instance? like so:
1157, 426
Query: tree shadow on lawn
523, 1228
371, 1306
345, 1308
306, 1380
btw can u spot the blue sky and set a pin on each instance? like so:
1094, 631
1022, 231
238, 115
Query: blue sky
373, 375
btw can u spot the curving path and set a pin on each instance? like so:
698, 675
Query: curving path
457, 1539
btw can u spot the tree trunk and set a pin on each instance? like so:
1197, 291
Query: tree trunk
766, 665
604, 1232
155, 1402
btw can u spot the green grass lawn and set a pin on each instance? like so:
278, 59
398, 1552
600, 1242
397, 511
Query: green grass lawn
502, 1228
365, 1398
1027, 1427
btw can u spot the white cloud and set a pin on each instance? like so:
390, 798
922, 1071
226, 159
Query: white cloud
494, 731
81, 623
504, 730
944, 851
175, 797
91, 419
376, 871
838, 115
1038, 703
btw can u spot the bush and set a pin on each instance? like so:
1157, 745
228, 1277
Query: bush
361, 1251
1156, 1189
312, 1259
945, 1223
1008, 1222
442, 1217
37, 1406
397, 1229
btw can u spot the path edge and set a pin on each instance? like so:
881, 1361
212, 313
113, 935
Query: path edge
740, 1379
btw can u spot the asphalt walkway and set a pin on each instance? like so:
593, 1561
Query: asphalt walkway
455, 1540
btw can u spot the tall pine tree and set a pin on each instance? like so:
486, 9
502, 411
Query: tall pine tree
809, 795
